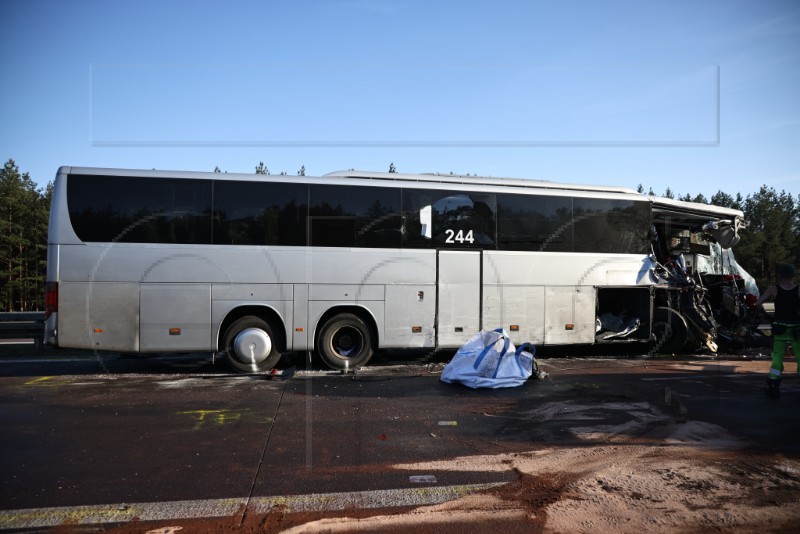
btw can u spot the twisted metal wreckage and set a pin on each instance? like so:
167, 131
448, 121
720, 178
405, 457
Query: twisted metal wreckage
702, 296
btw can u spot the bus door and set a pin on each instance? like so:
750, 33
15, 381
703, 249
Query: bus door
458, 305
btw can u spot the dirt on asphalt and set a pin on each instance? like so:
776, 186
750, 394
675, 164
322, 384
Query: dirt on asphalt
650, 459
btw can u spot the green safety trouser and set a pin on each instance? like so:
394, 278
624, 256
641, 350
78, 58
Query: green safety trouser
779, 341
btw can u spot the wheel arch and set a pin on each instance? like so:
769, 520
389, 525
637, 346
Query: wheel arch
361, 312
266, 313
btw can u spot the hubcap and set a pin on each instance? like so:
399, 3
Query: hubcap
347, 342
252, 346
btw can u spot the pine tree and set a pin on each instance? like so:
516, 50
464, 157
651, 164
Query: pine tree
392, 168
721, 198
23, 239
261, 168
302, 171
771, 237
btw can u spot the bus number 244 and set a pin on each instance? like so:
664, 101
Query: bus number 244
458, 237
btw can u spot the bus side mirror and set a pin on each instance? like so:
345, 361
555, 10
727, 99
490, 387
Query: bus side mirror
725, 232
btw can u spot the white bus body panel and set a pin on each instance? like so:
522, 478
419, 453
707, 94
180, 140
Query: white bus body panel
175, 317
569, 315
407, 307
507, 304
99, 315
299, 329
459, 296
263, 277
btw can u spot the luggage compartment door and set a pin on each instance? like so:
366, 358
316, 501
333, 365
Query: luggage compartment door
569, 315
175, 317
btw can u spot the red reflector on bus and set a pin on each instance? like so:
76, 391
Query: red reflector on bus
569, 326
514, 328
174, 331
299, 329
50, 299
98, 330
416, 329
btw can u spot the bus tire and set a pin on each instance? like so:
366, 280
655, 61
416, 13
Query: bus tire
670, 330
345, 342
251, 345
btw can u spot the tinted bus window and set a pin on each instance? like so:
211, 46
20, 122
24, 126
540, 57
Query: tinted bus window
353, 216
140, 210
612, 226
260, 213
448, 219
529, 222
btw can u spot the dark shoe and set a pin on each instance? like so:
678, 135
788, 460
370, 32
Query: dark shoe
773, 388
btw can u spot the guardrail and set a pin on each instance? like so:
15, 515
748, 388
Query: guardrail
23, 325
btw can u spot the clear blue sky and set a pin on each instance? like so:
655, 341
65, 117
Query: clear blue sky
697, 96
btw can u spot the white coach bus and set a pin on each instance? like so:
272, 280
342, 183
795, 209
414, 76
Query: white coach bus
250, 266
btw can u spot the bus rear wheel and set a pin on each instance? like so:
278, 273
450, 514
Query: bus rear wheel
670, 330
250, 345
345, 342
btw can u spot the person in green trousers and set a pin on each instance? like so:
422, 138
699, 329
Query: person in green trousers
785, 324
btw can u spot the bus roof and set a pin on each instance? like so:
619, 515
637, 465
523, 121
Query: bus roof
672, 207
479, 180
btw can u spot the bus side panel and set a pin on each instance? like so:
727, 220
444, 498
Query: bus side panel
175, 317
99, 315
569, 315
409, 306
523, 306
513, 293
300, 339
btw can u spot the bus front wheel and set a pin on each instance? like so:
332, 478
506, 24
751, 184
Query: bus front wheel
345, 342
250, 345
670, 330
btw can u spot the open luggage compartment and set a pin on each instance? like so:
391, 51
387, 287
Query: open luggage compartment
623, 314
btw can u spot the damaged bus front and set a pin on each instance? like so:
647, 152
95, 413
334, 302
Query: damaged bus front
701, 295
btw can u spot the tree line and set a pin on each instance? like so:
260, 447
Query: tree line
24, 213
771, 238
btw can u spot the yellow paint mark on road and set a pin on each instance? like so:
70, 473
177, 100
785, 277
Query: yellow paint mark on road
43, 381
214, 417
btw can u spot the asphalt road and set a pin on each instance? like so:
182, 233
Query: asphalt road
88, 439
